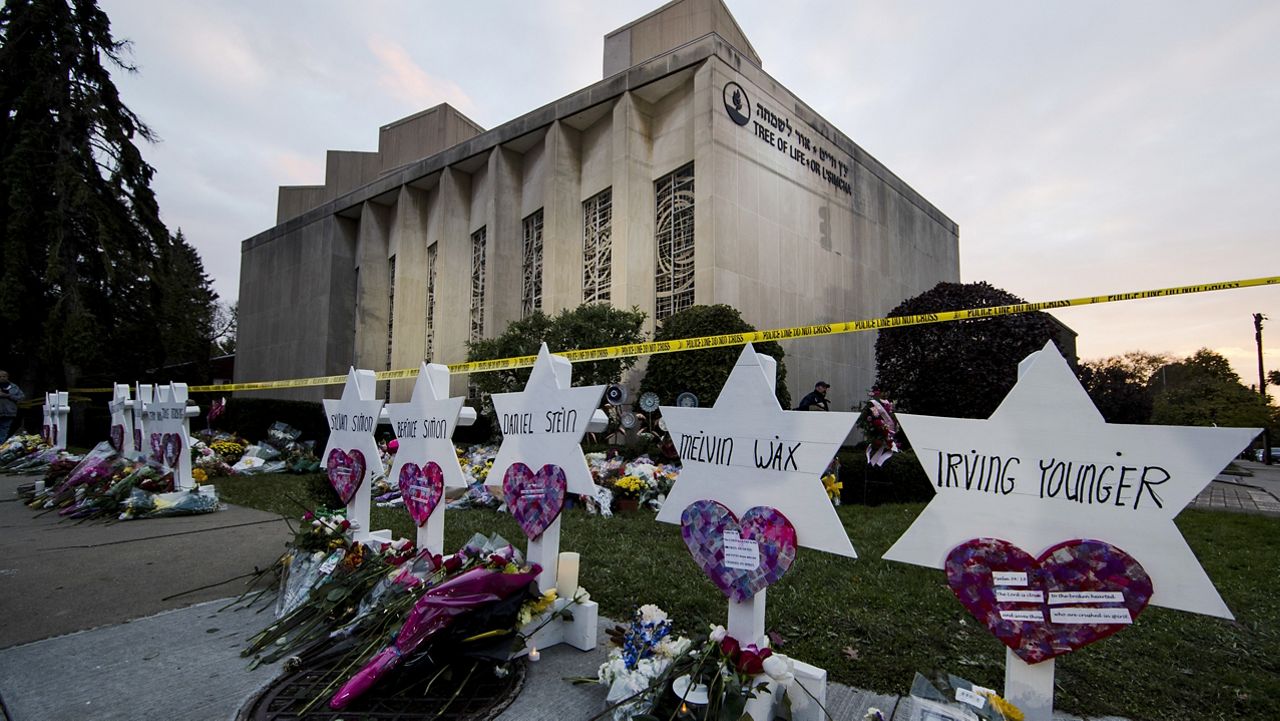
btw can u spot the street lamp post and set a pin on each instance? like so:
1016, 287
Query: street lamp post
1262, 386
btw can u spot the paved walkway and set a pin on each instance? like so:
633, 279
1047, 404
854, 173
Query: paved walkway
1257, 493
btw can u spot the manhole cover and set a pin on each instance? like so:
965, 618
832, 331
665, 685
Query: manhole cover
464, 690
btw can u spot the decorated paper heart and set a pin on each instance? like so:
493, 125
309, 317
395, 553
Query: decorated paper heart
535, 499
157, 447
421, 488
117, 437
1075, 593
741, 557
346, 472
172, 447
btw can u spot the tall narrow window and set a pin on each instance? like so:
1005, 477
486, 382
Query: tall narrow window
477, 284
391, 304
597, 246
674, 236
391, 315
531, 288
429, 350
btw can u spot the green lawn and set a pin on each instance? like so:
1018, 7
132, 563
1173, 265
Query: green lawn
872, 623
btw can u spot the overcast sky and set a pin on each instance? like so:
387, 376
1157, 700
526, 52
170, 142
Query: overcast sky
1084, 147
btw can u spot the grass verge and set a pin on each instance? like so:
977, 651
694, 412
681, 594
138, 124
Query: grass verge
872, 623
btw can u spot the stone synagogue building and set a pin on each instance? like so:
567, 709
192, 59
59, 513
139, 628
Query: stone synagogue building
686, 176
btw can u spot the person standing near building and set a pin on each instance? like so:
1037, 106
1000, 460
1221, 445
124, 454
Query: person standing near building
817, 400
10, 394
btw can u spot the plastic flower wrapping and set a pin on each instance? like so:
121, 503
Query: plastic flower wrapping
639, 479
476, 462
647, 657
880, 429
17, 448
938, 694
376, 607
105, 484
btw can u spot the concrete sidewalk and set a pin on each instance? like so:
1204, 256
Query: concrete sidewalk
61, 576
1258, 493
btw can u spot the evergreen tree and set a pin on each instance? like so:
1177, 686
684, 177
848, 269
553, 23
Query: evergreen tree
86, 264
959, 368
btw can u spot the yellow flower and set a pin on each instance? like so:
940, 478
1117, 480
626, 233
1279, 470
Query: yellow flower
199, 475
1006, 709
832, 485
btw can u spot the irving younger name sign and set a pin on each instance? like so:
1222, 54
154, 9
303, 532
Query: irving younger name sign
1090, 483
1046, 468
1056, 528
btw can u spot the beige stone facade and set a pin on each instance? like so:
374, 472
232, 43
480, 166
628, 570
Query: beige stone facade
687, 175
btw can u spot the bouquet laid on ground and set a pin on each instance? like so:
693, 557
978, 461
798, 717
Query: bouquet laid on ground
880, 429
651, 674
641, 479
476, 463
17, 448
374, 608
106, 484
951, 698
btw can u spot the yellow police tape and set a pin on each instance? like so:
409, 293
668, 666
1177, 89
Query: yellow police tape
732, 339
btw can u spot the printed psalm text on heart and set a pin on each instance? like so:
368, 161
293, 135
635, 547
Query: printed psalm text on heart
741, 557
1075, 593
421, 487
346, 472
535, 499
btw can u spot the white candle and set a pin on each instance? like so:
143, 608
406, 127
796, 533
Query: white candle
567, 575
534, 655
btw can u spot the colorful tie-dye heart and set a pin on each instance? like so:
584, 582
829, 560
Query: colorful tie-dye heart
172, 447
117, 438
157, 447
346, 472
1041, 607
535, 499
740, 557
421, 487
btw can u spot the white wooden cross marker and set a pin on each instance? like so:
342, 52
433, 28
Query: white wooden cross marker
425, 426
1065, 473
55, 419
353, 419
543, 425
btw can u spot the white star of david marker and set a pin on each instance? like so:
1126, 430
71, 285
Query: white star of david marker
746, 451
424, 426
1046, 467
544, 423
353, 418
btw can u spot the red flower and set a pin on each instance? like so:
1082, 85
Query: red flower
345, 524
497, 560
751, 662
729, 647
452, 563
308, 516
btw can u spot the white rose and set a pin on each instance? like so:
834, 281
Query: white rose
718, 633
780, 668
649, 613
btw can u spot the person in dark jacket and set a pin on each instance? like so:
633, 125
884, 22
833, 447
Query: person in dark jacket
10, 394
817, 400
